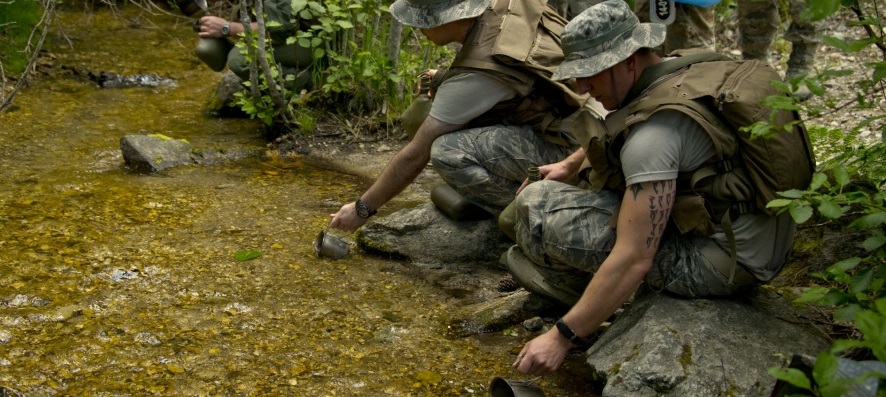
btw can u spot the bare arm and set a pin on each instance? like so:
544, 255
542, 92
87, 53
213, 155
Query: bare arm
560, 171
644, 211
399, 173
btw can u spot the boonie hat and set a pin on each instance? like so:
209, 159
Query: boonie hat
602, 36
426, 14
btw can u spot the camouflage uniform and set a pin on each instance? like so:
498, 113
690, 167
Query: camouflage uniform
487, 160
488, 164
758, 23
692, 28
564, 233
294, 59
545, 209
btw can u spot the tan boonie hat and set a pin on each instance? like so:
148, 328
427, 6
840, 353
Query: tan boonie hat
602, 36
426, 14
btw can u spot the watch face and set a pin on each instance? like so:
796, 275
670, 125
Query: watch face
362, 212
226, 30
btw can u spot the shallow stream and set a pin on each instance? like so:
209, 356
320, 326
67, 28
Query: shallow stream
118, 284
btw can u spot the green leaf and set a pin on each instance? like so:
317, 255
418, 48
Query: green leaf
298, 5
873, 326
800, 213
839, 44
825, 368
791, 375
345, 24
869, 221
813, 294
817, 180
841, 176
879, 71
793, 193
819, 9
840, 345
815, 87
844, 266
246, 255
830, 210
834, 298
847, 313
861, 281
778, 203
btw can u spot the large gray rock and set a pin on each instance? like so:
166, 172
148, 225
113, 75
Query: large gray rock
153, 153
424, 234
667, 346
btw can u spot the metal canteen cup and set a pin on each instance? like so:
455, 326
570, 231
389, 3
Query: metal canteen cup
330, 246
213, 52
501, 387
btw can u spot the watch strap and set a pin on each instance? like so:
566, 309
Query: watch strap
567, 332
362, 209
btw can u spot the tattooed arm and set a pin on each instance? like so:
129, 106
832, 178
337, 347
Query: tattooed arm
644, 212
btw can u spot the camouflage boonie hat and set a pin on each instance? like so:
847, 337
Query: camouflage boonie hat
425, 14
602, 36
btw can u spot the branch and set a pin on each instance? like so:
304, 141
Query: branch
250, 50
276, 95
879, 43
48, 12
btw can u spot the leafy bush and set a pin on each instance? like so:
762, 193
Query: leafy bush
357, 46
17, 19
852, 287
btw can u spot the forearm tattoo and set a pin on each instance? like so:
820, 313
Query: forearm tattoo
661, 200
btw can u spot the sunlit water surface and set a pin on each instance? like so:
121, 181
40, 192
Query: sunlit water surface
116, 284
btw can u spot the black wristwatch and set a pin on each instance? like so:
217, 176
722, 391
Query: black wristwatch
226, 29
362, 210
567, 332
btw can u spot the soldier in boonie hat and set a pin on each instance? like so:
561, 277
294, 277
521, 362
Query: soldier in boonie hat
426, 14
603, 36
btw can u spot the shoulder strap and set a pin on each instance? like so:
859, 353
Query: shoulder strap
655, 72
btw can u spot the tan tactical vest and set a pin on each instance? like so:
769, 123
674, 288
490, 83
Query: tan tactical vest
720, 95
518, 42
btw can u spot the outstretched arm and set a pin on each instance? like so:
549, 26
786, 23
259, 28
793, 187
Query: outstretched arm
644, 212
399, 173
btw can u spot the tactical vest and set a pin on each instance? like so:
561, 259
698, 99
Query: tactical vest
745, 174
518, 43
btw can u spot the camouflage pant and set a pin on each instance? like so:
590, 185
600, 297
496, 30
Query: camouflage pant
758, 24
692, 28
567, 232
487, 164
293, 59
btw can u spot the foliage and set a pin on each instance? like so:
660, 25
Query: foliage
853, 287
355, 45
17, 19
246, 255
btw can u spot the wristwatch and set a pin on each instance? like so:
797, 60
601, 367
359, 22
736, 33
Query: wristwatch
567, 332
226, 29
362, 210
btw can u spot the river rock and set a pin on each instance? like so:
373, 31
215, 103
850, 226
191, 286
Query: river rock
424, 234
153, 153
667, 346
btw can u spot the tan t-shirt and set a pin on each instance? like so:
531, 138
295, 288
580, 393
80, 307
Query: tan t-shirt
670, 142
